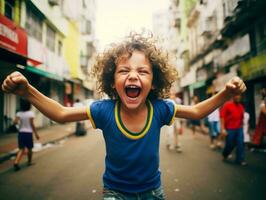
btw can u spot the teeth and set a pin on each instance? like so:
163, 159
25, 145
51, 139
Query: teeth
132, 86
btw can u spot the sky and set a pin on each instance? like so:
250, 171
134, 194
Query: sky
116, 18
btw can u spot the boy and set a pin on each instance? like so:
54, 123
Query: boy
25, 119
136, 75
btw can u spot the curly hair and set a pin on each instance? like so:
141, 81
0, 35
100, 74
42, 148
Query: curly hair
164, 74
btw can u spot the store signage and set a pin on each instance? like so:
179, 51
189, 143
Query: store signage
253, 67
12, 37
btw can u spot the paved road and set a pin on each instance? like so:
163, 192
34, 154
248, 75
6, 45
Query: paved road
73, 170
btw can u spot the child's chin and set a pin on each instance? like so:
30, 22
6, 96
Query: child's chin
132, 103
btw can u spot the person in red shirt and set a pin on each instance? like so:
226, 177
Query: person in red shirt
232, 114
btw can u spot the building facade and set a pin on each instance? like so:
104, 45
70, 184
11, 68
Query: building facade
42, 40
225, 38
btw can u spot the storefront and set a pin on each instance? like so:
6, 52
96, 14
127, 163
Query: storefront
253, 71
13, 56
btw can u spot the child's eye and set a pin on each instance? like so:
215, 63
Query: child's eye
143, 72
123, 71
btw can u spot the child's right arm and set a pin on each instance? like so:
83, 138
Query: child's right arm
223, 130
17, 84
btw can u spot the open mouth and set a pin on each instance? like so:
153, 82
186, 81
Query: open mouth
132, 91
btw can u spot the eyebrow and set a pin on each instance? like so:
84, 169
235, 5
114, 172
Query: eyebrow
139, 67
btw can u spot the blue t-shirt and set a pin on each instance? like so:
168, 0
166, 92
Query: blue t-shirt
132, 159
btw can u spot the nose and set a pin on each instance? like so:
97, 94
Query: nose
133, 75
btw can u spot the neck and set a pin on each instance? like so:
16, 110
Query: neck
133, 112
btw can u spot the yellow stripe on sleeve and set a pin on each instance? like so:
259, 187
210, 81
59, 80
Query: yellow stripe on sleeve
88, 111
173, 117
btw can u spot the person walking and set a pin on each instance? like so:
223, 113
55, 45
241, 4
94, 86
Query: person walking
173, 131
246, 129
232, 115
214, 128
195, 122
137, 76
25, 120
178, 129
260, 129
80, 129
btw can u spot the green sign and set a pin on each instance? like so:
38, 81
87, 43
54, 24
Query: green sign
254, 67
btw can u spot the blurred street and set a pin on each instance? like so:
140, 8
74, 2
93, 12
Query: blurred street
73, 167
56, 44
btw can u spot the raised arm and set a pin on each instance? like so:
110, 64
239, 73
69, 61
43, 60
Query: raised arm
233, 87
17, 84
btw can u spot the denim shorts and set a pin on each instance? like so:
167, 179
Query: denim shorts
155, 194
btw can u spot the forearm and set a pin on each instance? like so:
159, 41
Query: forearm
33, 129
207, 106
203, 108
52, 109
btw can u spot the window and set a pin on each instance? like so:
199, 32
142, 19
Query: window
84, 4
261, 36
9, 9
50, 38
86, 26
90, 49
60, 46
34, 24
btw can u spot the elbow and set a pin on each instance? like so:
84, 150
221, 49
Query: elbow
197, 115
59, 118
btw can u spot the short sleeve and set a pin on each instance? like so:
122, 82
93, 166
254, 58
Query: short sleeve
165, 111
18, 114
99, 112
31, 114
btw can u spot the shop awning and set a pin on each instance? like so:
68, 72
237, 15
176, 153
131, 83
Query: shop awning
43, 73
198, 84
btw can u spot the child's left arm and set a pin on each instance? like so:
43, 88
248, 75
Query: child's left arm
16, 120
234, 87
34, 128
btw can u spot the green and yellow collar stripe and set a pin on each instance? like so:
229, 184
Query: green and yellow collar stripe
88, 111
128, 133
173, 118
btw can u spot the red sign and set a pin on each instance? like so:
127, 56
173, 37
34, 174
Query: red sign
12, 37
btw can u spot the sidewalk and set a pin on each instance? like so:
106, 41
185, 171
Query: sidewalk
8, 141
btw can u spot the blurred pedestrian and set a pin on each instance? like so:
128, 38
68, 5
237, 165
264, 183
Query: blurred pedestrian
214, 128
178, 125
195, 122
80, 125
246, 128
25, 119
175, 130
260, 130
136, 75
232, 115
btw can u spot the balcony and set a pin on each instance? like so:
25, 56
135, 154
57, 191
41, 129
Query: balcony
246, 12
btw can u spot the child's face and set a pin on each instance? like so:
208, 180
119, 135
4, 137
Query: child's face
133, 79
